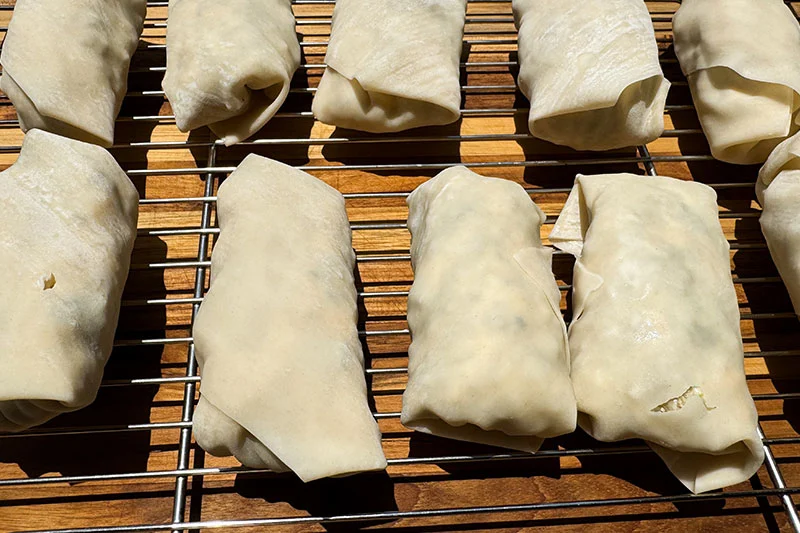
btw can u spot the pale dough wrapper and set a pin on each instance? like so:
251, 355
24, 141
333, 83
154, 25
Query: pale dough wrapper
229, 64
282, 367
68, 214
742, 60
392, 65
65, 64
488, 360
590, 69
778, 191
655, 341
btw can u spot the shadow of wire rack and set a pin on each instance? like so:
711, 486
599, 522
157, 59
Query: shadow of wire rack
128, 462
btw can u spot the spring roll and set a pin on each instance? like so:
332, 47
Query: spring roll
742, 60
282, 367
488, 361
68, 214
655, 341
65, 64
778, 188
392, 65
229, 64
590, 69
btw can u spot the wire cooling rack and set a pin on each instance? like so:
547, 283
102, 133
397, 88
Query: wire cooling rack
128, 462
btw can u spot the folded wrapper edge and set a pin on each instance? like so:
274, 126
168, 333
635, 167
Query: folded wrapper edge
703, 472
786, 156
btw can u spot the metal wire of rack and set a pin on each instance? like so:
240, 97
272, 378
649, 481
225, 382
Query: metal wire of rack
178, 176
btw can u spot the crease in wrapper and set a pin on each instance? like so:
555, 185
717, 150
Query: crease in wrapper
63, 264
591, 71
65, 64
655, 343
276, 337
740, 58
229, 64
489, 360
777, 189
392, 66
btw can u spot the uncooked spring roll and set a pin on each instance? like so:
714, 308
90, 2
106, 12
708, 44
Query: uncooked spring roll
742, 60
68, 214
65, 64
590, 69
229, 64
778, 189
655, 341
282, 367
488, 360
392, 65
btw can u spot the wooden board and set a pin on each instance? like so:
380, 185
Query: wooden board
111, 438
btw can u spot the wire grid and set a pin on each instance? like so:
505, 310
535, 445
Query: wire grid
145, 133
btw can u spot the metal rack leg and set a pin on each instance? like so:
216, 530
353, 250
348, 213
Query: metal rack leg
184, 448
777, 479
648, 160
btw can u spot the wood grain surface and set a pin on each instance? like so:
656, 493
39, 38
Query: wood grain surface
116, 436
